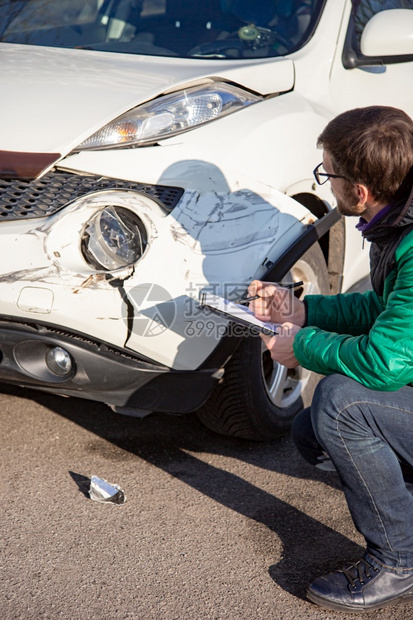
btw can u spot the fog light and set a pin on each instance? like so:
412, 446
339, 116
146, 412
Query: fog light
59, 361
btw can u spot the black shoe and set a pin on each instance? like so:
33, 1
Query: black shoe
361, 587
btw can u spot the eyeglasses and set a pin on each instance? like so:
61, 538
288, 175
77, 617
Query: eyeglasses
321, 176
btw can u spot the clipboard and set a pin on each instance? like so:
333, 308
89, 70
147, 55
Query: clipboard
237, 313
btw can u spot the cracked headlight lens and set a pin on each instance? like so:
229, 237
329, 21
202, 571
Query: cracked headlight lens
113, 238
169, 115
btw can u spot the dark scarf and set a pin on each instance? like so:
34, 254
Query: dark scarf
386, 234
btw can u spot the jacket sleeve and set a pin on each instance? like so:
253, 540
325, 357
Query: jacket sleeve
381, 359
352, 313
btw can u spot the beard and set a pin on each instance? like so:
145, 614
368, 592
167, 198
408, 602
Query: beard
348, 202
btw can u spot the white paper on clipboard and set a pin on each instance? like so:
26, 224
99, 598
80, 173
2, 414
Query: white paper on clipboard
236, 312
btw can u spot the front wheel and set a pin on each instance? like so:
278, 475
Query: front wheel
257, 397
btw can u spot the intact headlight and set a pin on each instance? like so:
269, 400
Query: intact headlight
113, 238
170, 114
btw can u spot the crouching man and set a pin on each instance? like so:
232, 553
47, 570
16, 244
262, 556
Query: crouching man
361, 417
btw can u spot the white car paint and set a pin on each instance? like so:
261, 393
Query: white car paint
202, 257
96, 87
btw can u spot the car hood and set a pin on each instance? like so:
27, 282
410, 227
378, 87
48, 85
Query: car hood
54, 98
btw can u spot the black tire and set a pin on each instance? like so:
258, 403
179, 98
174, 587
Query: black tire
258, 398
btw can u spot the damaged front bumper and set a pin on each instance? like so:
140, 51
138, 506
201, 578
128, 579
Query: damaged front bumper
97, 371
131, 337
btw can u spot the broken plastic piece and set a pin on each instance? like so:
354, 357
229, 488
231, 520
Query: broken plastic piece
131, 411
103, 491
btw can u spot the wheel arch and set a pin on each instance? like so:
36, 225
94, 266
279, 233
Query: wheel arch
329, 229
332, 241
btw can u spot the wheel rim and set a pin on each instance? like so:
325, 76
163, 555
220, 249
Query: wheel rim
284, 386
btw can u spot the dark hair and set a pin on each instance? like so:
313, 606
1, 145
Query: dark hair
372, 146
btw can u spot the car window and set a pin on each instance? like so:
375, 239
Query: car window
198, 28
23, 16
363, 10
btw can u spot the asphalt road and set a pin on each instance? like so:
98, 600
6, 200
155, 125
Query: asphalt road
212, 528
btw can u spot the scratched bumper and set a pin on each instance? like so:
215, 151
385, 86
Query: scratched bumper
215, 239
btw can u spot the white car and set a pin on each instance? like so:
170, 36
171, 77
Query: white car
153, 150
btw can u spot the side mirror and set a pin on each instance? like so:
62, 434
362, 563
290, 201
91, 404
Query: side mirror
386, 39
388, 33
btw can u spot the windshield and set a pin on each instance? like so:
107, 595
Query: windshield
185, 28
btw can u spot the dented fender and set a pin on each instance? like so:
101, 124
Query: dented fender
212, 240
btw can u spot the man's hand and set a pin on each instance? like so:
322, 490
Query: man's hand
281, 346
276, 304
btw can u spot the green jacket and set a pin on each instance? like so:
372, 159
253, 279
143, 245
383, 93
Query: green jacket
368, 336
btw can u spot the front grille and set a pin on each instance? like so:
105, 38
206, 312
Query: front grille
20, 199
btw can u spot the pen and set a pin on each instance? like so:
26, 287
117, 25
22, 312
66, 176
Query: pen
246, 300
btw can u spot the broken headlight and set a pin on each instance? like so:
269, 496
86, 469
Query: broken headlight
113, 238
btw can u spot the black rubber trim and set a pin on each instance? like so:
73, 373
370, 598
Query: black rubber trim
311, 235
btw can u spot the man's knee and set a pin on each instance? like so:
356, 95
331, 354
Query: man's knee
331, 386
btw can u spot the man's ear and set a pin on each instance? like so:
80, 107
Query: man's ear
363, 193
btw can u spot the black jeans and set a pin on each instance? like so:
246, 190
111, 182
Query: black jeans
368, 436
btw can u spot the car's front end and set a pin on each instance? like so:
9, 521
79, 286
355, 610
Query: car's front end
107, 273
146, 158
